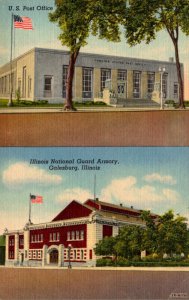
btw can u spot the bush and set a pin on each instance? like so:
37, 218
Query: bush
121, 261
152, 257
170, 103
102, 262
100, 103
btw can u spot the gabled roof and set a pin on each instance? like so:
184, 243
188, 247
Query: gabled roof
73, 210
113, 208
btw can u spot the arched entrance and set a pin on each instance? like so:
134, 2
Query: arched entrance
53, 255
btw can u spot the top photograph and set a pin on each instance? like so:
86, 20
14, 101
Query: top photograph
86, 56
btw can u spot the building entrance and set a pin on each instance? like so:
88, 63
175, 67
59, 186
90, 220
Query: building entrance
54, 256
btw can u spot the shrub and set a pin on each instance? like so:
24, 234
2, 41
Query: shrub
102, 262
100, 103
121, 261
152, 257
170, 103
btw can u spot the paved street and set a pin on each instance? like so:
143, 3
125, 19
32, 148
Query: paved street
23, 283
111, 128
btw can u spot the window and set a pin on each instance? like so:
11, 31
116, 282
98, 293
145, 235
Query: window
77, 235
68, 236
136, 84
50, 236
82, 234
87, 83
48, 86
151, 81
176, 90
73, 235
122, 75
164, 84
105, 75
64, 79
54, 237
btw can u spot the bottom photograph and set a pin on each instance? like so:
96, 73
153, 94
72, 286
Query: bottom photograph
104, 208
71, 205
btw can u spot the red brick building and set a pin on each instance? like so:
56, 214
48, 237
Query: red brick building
70, 236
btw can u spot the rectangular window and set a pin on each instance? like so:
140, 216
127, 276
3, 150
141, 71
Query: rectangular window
164, 84
73, 235
105, 75
82, 234
58, 236
151, 81
68, 236
77, 235
136, 84
64, 79
107, 230
47, 86
87, 83
50, 237
122, 75
176, 94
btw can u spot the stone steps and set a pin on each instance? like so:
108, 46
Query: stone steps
136, 103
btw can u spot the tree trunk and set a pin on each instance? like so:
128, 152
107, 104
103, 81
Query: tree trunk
179, 74
69, 81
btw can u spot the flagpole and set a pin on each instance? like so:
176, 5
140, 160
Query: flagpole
95, 187
29, 209
10, 103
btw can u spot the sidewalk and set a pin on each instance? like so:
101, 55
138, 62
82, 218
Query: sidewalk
159, 269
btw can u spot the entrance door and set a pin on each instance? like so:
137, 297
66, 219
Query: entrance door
54, 256
121, 90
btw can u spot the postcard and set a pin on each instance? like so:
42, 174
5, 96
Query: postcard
94, 150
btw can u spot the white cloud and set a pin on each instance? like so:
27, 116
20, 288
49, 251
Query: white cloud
159, 178
126, 191
22, 173
171, 195
74, 194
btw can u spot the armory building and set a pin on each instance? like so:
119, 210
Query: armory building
70, 236
40, 74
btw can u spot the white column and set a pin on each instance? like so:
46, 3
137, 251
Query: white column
16, 248
44, 258
26, 245
61, 256
7, 248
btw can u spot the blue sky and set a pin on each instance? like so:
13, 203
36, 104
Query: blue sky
45, 35
146, 178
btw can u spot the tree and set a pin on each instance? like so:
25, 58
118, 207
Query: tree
145, 18
77, 19
106, 246
149, 236
172, 234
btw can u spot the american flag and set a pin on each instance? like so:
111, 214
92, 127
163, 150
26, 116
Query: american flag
22, 22
36, 199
